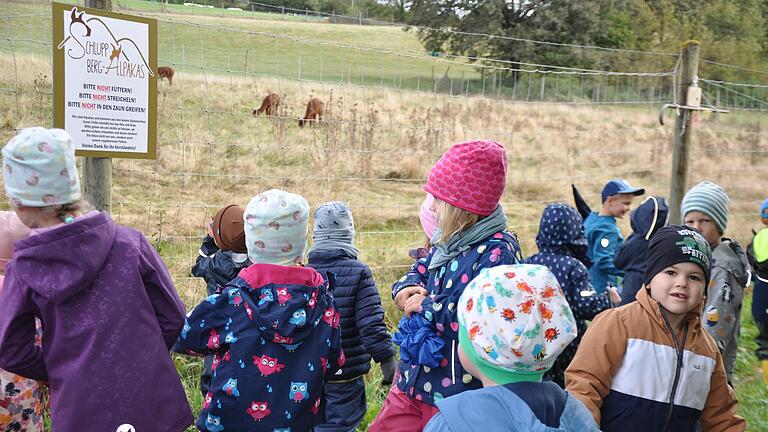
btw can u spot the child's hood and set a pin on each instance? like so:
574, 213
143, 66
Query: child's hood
649, 216
560, 229
290, 301
731, 256
64, 261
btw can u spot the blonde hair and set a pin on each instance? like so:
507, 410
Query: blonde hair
453, 220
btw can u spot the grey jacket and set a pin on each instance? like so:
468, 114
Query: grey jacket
722, 313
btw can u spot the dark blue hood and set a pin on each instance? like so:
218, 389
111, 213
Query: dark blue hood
649, 216
561, 231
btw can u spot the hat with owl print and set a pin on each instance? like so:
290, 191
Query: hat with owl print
514, 321
276, 228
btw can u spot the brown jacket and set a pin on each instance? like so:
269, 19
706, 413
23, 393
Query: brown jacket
627, 368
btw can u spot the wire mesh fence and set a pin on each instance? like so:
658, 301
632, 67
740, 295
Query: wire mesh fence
390, 112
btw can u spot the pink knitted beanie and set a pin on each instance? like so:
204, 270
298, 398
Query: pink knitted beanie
470, 176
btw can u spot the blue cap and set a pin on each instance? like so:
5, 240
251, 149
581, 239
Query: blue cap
764, 210
620, 186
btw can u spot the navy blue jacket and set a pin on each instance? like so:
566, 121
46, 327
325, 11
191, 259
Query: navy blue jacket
274, 334
217, 267
560, 240
445, 285
646, 219
363, 332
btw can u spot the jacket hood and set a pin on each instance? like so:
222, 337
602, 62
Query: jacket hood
290, 301
65, 260
730, 256
499, 409
649, 216
561, 230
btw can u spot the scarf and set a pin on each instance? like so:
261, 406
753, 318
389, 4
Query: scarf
458, 243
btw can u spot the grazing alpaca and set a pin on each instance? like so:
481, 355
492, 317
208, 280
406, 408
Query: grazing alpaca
165, 72
314, 112
268, 105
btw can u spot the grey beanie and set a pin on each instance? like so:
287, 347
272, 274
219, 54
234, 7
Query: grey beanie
708, 198
333, 221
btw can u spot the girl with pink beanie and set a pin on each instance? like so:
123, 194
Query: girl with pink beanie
21, 401
467, 184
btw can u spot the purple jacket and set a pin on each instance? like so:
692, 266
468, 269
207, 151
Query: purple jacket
110, 314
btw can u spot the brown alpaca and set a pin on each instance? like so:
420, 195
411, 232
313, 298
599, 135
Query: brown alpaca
165, 72
268, 105
314, 112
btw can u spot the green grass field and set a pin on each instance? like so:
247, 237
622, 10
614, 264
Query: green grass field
376, 144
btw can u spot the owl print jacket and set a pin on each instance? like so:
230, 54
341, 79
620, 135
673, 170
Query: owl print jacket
273, 333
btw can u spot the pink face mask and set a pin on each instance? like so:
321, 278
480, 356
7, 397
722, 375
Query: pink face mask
428, 217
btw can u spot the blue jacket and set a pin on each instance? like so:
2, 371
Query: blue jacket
604, 240
274, 333
217, 267
363, 332
445, 285
646, 219
560, 240
517, 407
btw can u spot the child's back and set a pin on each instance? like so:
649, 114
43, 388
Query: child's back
109, 309
646, 219
100, 303
273, 332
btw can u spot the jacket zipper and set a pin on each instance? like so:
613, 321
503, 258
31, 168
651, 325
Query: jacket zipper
453, 362
679, 351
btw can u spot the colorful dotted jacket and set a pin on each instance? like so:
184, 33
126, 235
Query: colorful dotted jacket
445, 285
274, 334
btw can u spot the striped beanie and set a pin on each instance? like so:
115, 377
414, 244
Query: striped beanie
707, 198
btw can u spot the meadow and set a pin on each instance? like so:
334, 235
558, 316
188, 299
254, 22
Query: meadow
389, 115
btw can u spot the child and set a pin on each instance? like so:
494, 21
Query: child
646, 219
603, 234
273, 331
508, 347
21, 403
561, 243
107, 303
758, 257
220, 258
364, 334
467, 183
647, 366
705, 207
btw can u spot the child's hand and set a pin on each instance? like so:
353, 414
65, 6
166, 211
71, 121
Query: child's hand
613, 293
406, 293
413, 304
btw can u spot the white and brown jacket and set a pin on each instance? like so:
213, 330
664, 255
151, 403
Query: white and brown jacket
633, 374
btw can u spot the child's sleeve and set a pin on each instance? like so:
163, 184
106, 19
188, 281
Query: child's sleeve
206, 326
719, 413
369, 318
168, 307
440, 310
18, 352
204, 257
722, 307
606, 245
417, 276
597, 360
585, 302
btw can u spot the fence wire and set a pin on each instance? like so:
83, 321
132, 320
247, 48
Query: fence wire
390, 112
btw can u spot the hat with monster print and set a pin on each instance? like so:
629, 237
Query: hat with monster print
676, 244
514, 321
39, 168
276, 228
